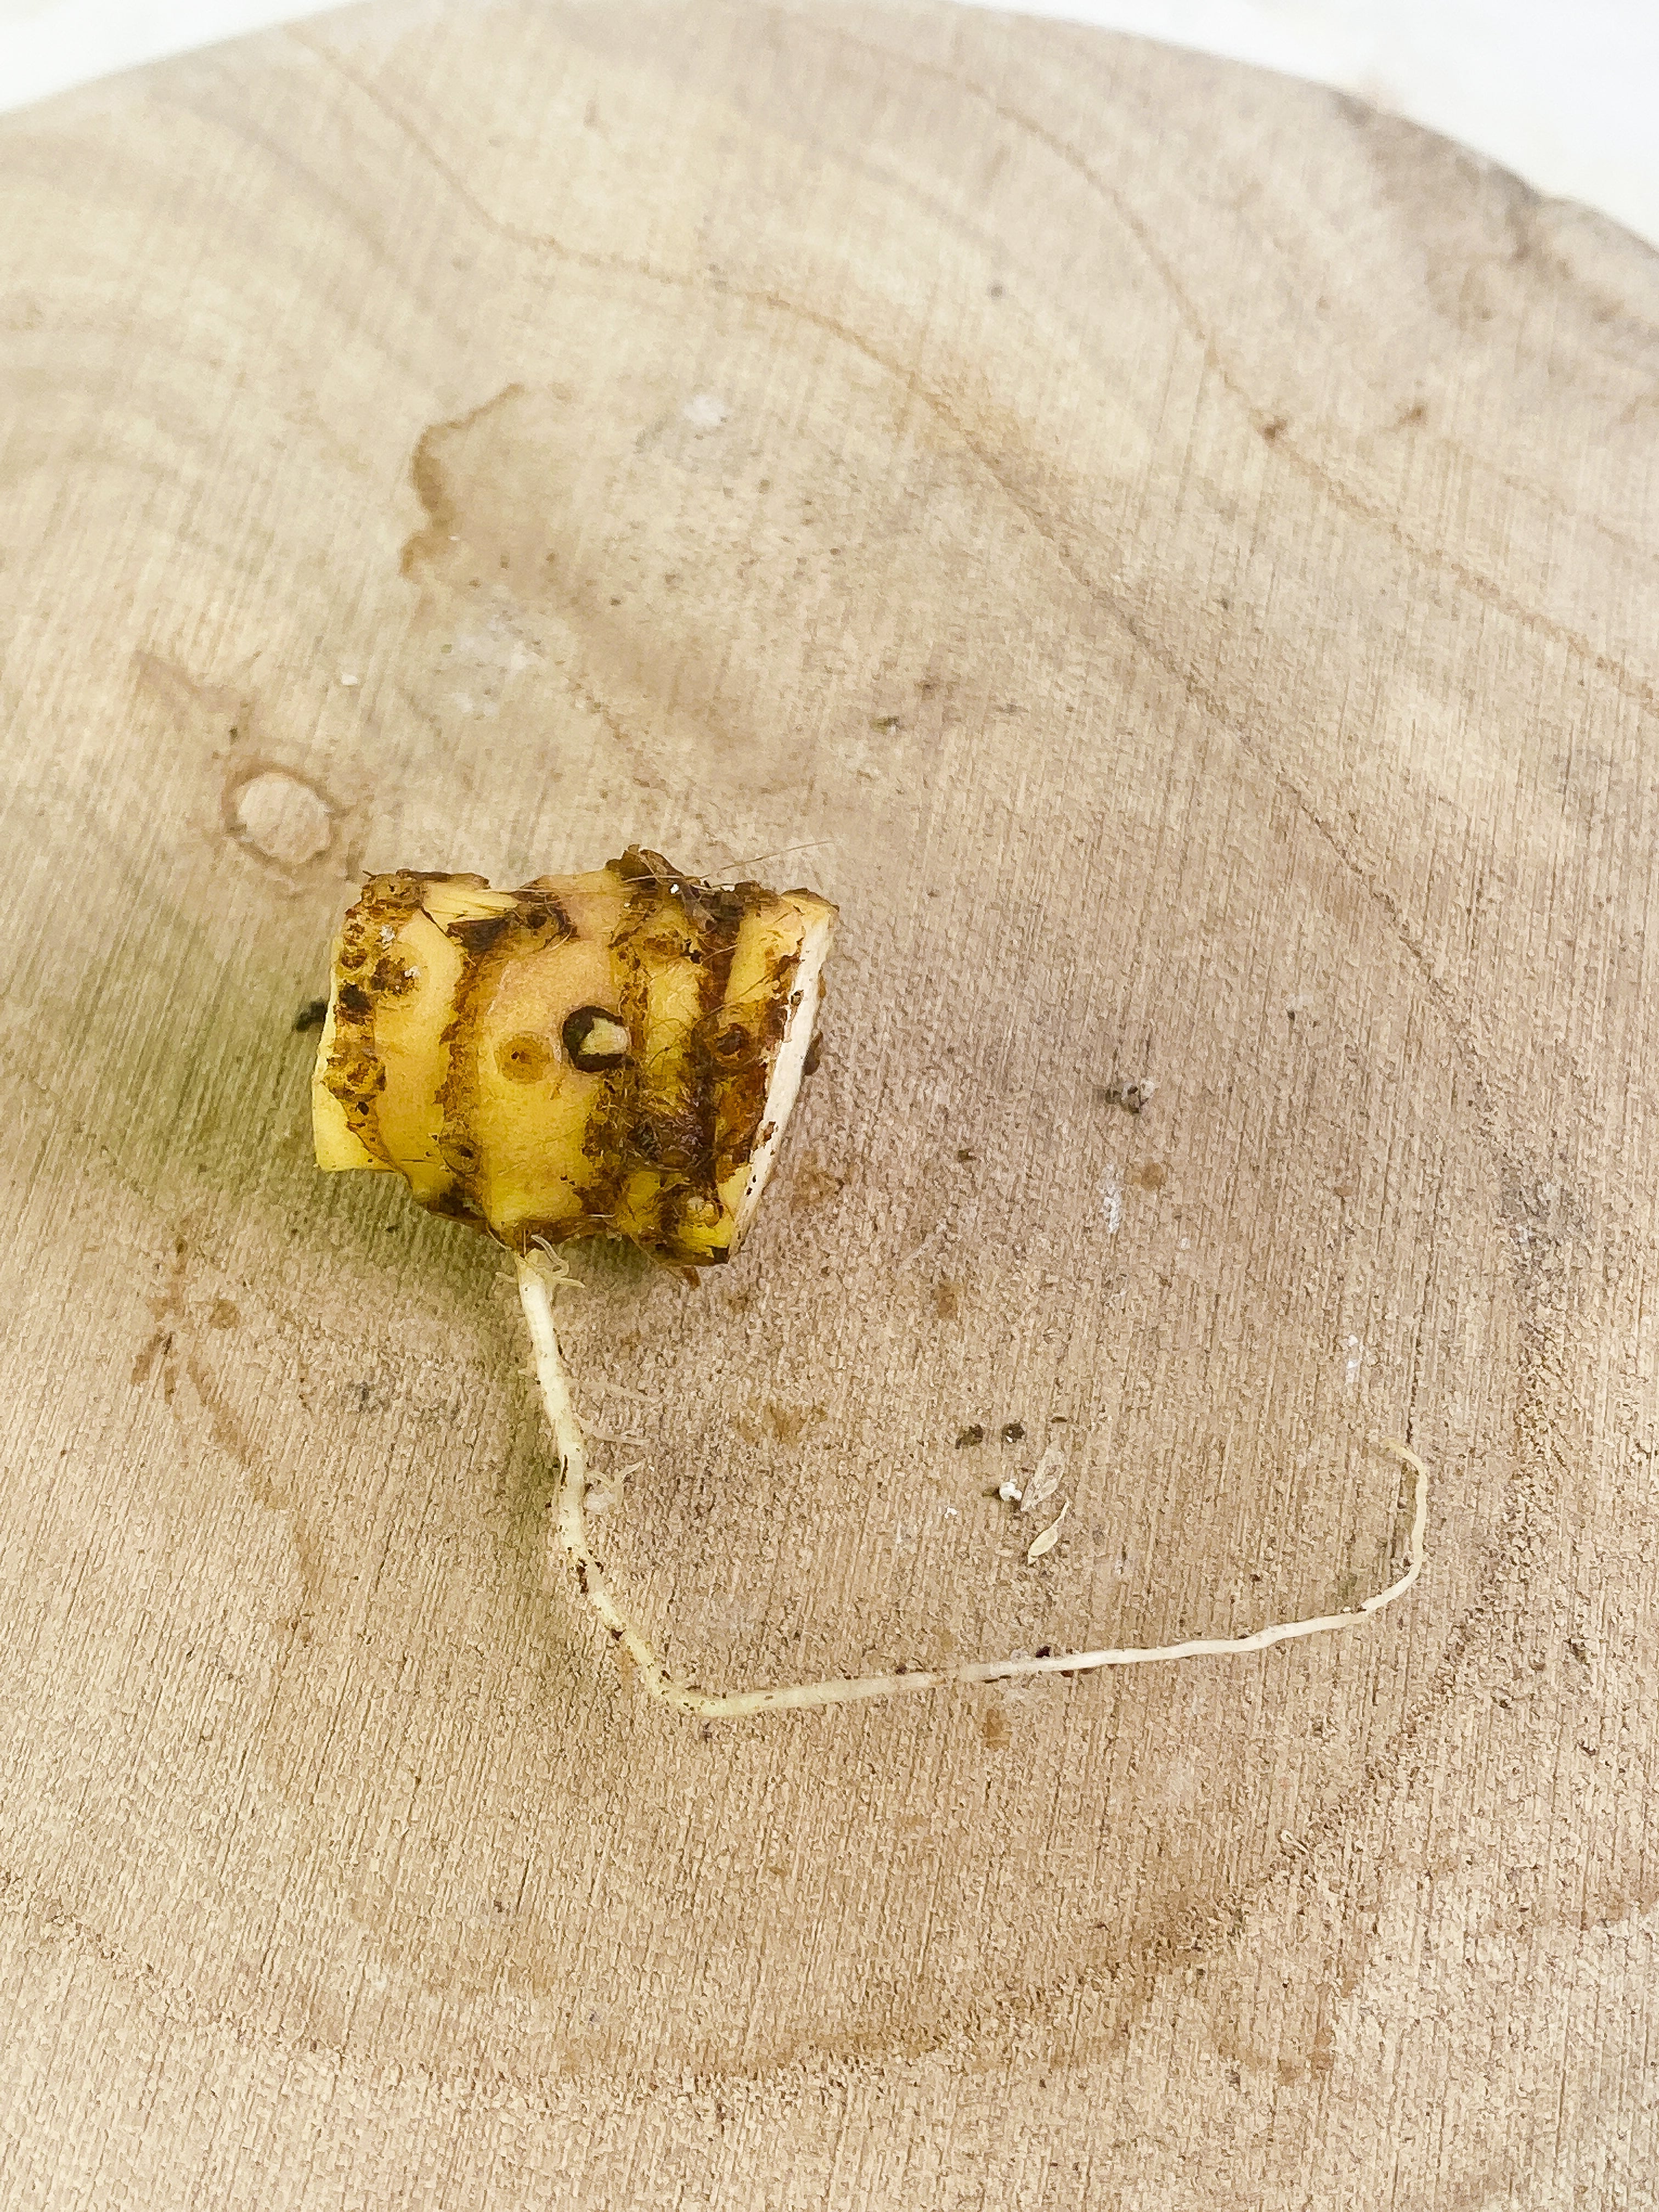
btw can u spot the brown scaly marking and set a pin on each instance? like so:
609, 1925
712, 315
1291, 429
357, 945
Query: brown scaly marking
610, 1143
700, 922
653, 1116
489, 944
758, 1028
356, 1073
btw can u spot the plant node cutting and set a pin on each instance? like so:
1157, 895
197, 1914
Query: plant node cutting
617, 1054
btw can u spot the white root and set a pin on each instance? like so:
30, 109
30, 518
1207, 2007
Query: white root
538, 1275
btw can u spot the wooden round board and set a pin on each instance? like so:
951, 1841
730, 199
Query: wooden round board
1173, 554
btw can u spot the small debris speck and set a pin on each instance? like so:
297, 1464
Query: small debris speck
1111, 1201
1049, 1537
1008, 1492
974, 1434
1134, 1097
312, 1015
1045, 1481
1012, 1432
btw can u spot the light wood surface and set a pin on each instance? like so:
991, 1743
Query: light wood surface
1172, 553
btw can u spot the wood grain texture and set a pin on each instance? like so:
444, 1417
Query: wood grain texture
1173, 554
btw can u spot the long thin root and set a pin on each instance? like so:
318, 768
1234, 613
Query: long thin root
538, 1275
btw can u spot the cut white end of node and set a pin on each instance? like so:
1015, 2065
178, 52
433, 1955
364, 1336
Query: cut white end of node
788, 1068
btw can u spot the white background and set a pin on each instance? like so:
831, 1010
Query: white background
1567, 92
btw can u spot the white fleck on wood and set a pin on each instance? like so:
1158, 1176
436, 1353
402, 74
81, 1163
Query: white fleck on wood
1046, 1477
1042, 1545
